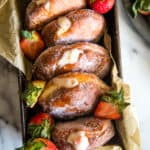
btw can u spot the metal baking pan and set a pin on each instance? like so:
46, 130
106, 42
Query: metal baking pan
113, 30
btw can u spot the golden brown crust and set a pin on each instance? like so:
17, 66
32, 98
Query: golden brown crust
74, 27
98, 132
40, 12
72, 94
83, 57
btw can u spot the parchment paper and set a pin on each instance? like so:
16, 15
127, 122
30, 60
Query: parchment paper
128, 127
10, 50
9, 36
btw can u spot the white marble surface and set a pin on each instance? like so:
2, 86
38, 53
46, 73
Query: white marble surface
136, 72
10, 135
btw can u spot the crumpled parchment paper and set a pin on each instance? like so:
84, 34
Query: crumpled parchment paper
128, 127
10, 50
9, 36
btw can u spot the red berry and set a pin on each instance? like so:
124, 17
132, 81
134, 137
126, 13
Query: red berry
101, 6
38, 118
31, 44
41, 125
48, 143
107, 110
39, 144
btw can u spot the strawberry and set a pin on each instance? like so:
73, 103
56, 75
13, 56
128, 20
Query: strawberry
111, 105
107, 111
32, 92
101, 6
145, 13
142, 7
31, 44
40, 125
38, 144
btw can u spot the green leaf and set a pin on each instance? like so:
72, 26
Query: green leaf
35, 146
31, 94
32, 145
46, 130
43, 130
135, 8
140, 5
116, 98
145, 5
34, 130
27, 34
122, 106
113, 96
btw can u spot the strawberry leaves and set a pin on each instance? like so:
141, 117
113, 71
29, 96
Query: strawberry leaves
33, 145
27, 34
42, 130
140, 5
116, 98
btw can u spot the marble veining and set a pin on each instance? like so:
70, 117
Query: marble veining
136, 71
10, 125
10, 137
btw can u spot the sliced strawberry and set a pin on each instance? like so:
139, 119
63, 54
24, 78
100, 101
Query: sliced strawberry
38, 144
107, 111
101, 6
48, 143
38, 118
31, 44
41, 125
111, 106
